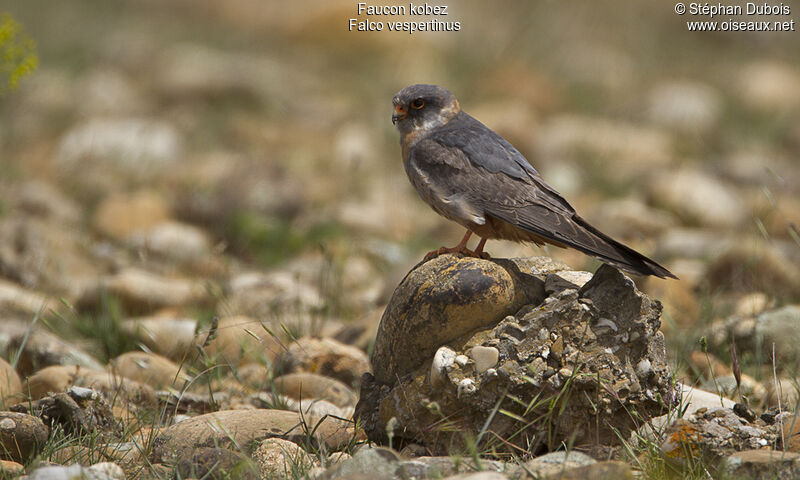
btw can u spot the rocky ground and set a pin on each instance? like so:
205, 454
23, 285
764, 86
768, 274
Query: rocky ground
204, 221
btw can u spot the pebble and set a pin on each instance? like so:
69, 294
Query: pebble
241, 339
311, 385
764, 464
170, 336
484, 357
218, 464
21, 436
98, 471
148, 368
325, 356
281, 458
10, 383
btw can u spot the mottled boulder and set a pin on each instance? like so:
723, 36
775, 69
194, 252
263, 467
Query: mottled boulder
441, 300
563, 360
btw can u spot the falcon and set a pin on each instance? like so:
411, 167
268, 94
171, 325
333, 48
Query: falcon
471, 175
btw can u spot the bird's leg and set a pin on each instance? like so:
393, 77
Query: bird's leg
479, 250
460, 248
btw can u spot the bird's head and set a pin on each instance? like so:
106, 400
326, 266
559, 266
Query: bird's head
422, 107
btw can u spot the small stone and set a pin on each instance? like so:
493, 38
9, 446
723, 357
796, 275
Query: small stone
217, 464
769, 85
99, 471
752, 304
610, 470
684, 105
337, 457
39, 349
443, 360
726, 385
145, 291
556, 462
325, 356
170, 336
241, 339
707, 365
148, 368
784, 393
21, 436
377, 462
10, 383
44, 199
135, 147
744, 411
445, 466
466, 387
78, 410
123, 214
766, 464
477, 476
305, 386
54, 379
484, 357
10, 469
790, 434
281, 458
172, 240
698, 198
261, 295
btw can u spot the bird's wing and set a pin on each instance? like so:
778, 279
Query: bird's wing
451, 171
489, 180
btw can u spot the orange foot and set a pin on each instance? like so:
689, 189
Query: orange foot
461, 248
457, 249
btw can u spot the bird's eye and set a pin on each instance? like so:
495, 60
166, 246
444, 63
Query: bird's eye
417, 104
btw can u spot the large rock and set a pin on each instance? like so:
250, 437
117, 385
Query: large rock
564, 363
441, 300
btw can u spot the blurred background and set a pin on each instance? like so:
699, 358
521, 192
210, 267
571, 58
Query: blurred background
185, 159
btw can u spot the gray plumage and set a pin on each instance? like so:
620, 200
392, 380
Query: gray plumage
471, 175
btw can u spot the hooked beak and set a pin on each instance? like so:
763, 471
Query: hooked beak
399, 113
